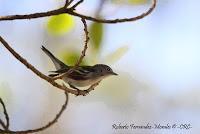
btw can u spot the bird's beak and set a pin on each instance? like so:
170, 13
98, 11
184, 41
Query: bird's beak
113, 73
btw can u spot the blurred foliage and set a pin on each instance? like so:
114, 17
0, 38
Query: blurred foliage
5, 92
130, 2
116, 55
60, 24
137, 1
96, 34
71, 57
121, 91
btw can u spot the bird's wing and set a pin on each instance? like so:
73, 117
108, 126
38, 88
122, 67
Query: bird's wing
81, 73
61, 71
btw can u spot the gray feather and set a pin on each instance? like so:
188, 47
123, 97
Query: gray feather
58, 64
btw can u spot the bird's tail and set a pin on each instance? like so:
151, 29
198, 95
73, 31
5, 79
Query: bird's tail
58, 64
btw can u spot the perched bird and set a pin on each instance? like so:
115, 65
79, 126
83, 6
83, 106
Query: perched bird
81, 76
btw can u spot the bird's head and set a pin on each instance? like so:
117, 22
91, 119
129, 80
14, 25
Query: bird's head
104, 70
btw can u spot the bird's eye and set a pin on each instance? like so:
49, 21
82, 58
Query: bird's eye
108, 69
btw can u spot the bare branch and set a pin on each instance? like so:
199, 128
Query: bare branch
34, 15
45, 126
75, 5
6, 115
116, 20
86, 42
67, 3
71, 12
3, 124
91, 88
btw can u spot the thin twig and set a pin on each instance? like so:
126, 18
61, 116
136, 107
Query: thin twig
5, 113
75, 5
82, 53
67, 3
45, 126
86, 42
72, 12
116, 20
91, 88
3, 124
34, 15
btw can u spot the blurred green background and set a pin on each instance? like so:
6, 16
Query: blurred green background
157, 59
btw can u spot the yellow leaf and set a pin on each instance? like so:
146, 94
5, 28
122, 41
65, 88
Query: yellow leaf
60, 24
71, 57
138, 2
96, 35
116, 55
132, 2
5, 92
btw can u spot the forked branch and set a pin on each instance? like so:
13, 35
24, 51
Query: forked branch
71, 11
43, 127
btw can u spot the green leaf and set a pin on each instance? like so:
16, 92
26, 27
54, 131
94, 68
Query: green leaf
5, 92
60, 24
96, 35
137, 2
116, 55
132, 2
70, 58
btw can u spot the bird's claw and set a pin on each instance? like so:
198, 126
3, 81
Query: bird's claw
86, 92
78, 92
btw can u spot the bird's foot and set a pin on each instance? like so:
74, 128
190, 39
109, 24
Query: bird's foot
78, 90
86, 92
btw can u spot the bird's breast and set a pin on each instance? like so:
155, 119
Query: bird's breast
82, 83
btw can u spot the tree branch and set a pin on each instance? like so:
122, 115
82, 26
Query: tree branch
5, 126
75, 5
67, 3
72, 12
45, 126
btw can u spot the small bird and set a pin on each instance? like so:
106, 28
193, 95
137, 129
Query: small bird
81, 76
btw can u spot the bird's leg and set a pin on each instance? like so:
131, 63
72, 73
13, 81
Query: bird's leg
72, 86
86, 92
92, 86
